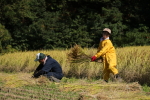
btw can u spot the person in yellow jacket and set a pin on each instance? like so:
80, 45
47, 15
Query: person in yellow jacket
107, 51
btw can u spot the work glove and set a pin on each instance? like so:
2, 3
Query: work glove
93, 58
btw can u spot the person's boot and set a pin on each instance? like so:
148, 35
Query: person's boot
53, 79
114, 78
117, 78
106, 81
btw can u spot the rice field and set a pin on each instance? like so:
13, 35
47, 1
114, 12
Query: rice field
132, 63
82, 79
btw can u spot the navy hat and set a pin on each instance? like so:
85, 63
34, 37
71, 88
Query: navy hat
40, 56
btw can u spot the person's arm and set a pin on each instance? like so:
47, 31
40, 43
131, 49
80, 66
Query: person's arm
37, 69
104, 50
36, 75
45, 68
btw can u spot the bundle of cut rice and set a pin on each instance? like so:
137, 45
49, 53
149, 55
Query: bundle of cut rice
76, 55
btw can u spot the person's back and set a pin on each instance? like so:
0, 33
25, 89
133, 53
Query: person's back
53, 68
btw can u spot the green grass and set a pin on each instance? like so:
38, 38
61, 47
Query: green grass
146, 88
69, 80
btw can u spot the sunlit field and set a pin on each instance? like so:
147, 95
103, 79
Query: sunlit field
132, 63
82, 78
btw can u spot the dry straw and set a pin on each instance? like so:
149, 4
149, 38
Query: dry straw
77, 55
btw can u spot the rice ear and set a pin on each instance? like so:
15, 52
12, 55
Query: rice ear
76, 55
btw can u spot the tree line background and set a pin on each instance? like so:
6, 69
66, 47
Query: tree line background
50, 24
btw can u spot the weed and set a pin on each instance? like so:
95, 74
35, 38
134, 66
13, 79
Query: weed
146, 88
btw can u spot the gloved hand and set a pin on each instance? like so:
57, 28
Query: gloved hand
93, 58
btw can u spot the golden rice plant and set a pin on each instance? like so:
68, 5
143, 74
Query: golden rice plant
132, 62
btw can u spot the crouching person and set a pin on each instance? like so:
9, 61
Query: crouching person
48, 67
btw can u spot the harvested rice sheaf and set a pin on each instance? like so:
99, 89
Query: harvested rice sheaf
76, 55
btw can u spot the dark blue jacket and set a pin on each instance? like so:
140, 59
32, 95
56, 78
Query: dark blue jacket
50, 68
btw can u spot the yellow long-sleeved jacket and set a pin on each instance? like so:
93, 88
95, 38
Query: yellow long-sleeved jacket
107, 51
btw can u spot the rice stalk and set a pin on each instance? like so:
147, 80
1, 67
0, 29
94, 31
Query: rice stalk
77, 55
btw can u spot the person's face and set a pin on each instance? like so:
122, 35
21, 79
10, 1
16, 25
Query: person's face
41, 61
105, 34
